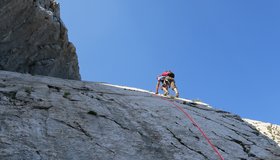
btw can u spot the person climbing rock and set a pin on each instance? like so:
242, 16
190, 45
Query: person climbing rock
167, 80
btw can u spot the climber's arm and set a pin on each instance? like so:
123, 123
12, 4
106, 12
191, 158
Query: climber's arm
157, 86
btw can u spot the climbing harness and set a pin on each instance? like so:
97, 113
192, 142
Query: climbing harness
195, 124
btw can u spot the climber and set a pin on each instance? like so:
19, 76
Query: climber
167, 80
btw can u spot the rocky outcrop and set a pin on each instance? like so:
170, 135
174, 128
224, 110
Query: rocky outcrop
34, 40
51, 118
270, 130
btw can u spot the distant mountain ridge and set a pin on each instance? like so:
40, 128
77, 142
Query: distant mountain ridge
270, 130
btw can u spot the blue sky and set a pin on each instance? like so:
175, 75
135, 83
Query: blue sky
223, 52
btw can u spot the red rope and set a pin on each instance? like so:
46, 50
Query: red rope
197, 126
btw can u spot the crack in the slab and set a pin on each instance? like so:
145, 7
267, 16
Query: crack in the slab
182, 143
82, 129
116, 122
243, 135
78, 127
42, 107
275, 154
106, 148
246, 147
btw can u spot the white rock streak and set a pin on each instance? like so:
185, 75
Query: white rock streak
270, 130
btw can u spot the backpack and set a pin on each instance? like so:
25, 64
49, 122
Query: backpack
171, 74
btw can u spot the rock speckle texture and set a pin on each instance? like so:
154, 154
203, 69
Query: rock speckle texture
51, 118
33, 39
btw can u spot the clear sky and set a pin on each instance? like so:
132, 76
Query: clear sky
223, 52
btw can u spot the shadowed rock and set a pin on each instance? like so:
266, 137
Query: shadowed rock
34, 40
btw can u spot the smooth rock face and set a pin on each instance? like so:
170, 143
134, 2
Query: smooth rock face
51, 118
34, 40
270, 130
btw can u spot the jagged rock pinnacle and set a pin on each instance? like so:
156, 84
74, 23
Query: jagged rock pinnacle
33, 39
